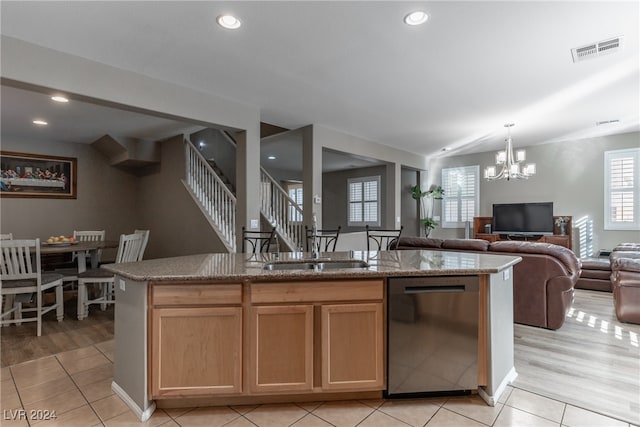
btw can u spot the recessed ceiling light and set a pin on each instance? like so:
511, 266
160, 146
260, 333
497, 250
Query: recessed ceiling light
271, 157
59, 98
416, 18
40, 122
228, 21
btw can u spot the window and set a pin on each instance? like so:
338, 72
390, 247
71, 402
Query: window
621, 187
364, 201
461, 195
294, 189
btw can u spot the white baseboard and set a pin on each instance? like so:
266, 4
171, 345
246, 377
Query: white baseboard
493, 399
143, 415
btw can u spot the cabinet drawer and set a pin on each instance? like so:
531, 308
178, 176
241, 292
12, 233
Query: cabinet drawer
317, 291
196, 294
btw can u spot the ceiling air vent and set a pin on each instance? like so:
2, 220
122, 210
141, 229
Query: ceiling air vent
593, 50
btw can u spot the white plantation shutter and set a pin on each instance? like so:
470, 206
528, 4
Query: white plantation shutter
364, 201
461, 195
295, 192
622, 188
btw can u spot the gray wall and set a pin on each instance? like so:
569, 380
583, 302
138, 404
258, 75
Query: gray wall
570, 174
409, 207
334, 197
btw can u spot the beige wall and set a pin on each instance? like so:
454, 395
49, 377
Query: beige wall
32, 66
107, 197
177, 225
570, 174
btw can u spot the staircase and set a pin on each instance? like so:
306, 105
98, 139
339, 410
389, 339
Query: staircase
211, 195
215, 196
222, 176
281, 211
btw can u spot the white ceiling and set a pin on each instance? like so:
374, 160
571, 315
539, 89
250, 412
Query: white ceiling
356, 67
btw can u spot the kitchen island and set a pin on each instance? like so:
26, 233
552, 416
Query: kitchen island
221, 329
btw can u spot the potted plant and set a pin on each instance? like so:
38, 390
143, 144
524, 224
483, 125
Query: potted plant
426, 210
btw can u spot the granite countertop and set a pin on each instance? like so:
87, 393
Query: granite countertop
241, 266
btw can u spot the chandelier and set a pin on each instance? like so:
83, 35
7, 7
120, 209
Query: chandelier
510, 163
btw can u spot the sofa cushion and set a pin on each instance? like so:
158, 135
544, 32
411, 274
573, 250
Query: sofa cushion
627, 264
466, 244
629, 246
603, 264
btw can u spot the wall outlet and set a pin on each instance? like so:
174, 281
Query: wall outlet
317, 199
254, 223
121, 284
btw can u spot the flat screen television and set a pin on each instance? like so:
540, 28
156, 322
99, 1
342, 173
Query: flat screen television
523, 218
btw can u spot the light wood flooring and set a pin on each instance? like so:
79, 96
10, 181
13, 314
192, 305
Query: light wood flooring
20, 343
592, 362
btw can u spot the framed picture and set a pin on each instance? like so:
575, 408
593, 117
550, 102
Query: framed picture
36, 175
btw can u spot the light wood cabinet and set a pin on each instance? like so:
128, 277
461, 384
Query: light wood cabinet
266, 338
195, 345
281, 355
352, 346
322, 336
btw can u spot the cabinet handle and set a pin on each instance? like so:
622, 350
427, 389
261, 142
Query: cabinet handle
434, 289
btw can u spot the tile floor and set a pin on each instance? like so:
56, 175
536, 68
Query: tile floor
77, 386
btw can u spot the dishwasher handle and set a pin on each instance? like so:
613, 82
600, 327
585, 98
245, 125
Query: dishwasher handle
425, 289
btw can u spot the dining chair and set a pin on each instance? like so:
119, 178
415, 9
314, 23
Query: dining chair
23, 279
381, 239
7, 301
325, 240
129, 249
71, 273
257, 241
145, 233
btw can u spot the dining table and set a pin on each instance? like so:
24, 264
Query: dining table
84, 250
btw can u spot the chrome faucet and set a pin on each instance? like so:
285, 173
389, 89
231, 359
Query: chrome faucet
314, 233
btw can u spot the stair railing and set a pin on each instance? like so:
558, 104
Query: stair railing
215, 199
281, 210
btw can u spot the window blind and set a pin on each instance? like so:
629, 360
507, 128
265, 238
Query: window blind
621, 189
364, 201
461, 195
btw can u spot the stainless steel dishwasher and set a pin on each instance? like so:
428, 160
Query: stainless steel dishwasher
432, 335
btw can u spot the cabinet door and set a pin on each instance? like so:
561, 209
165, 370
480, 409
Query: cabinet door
196, 351
352, 347
281, 348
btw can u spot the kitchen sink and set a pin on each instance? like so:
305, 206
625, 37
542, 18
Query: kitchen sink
317, 265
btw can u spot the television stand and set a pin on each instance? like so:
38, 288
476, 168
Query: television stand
521, 237
556, 238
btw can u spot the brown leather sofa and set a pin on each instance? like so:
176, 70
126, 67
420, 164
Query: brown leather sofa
625, 281
543, 281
